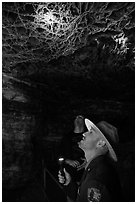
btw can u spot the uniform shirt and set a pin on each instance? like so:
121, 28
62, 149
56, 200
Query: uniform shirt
99, 183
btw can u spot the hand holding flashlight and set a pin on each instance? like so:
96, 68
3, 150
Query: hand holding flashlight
63, 175
61, 164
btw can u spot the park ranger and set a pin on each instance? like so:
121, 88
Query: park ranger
99, 182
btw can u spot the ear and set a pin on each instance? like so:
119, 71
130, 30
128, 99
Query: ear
100, 143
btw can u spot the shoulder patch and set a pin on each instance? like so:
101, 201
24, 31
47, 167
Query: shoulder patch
93, 195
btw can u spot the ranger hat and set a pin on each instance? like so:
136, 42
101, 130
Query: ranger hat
107, 132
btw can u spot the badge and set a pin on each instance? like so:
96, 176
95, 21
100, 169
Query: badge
94, 195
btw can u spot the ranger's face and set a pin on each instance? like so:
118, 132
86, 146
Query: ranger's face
89, 140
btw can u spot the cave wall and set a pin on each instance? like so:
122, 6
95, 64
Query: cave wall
17, 149
18, 124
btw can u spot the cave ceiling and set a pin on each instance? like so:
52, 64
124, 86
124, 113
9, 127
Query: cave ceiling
38, 32
73, 39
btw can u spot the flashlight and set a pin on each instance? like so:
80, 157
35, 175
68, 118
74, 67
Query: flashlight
61, 164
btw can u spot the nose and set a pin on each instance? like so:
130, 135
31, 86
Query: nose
84, 134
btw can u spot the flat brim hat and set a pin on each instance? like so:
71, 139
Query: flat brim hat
107, 132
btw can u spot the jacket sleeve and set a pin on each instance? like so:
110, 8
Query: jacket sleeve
94, 191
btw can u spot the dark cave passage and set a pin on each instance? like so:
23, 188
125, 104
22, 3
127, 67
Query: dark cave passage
51, 77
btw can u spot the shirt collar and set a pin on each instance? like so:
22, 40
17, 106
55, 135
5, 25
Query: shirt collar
93, 162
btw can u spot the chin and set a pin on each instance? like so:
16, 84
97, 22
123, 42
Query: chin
80, 146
